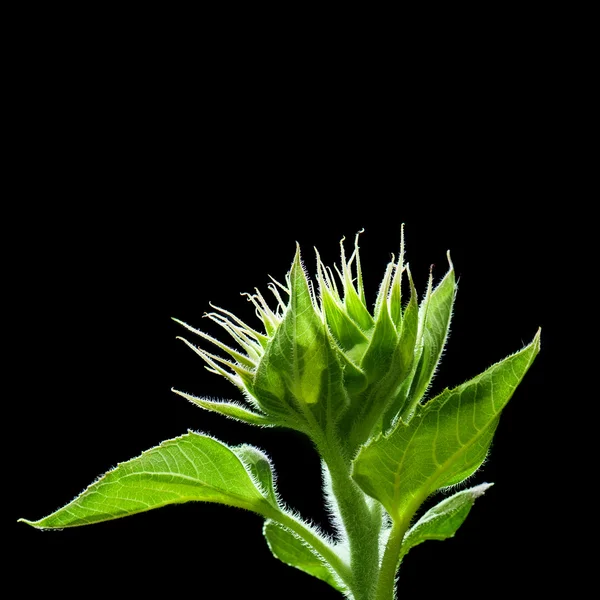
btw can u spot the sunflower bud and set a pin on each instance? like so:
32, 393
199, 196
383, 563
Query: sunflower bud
325, 364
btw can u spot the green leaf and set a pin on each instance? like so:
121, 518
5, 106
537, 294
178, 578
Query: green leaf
354, 300
446, 440
427, 330
187, 468
292, 550
355, 381
436, 324
396, 355
345, 331
229, 409
443, 520
300, 375
258, 464
379, 355
408, 337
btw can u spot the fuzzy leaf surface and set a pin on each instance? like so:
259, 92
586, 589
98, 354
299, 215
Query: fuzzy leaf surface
259, 465
187, 468
291, 550
300, 374
446, 441
443, 520
233, 410
435, 332
395, 356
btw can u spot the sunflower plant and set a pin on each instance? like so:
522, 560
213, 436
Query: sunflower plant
354, 380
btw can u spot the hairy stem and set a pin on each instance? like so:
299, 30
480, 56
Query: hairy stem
362, 524
386, 586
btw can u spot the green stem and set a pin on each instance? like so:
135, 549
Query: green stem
362, 525
386, 586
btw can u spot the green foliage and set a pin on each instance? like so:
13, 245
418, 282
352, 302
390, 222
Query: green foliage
444, 442
355, 382
294, 551
187, 468
443, 520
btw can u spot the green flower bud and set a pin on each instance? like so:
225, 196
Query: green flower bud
327, 365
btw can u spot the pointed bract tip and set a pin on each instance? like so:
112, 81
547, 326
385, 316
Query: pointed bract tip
450, 260
27, 522
297, 254
481, 489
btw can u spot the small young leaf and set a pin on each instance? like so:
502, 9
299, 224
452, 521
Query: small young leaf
443, 520
259, 465
445, 441
187, 468
290, 549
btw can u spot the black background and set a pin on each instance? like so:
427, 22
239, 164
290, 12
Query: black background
147, 190
103, 356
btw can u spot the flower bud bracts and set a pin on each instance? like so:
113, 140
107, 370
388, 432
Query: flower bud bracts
325, 363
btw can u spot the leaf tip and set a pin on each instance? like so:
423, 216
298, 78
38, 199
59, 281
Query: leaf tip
28, 522
480, 490
536, 342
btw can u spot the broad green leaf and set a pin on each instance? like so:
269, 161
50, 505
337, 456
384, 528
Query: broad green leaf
443, 520
192, 467
229, 409
446, 440
259, 465
300, 372
293, 551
